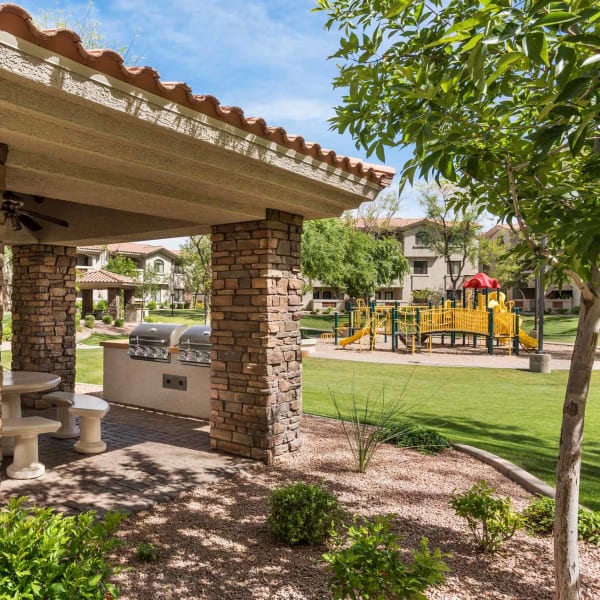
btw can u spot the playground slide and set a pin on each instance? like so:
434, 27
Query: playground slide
353, 338
527, 340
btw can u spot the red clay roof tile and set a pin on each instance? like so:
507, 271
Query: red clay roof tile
17, 21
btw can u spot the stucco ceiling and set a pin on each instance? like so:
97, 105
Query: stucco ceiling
119, 160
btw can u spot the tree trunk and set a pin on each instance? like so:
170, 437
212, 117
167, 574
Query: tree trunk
566, 555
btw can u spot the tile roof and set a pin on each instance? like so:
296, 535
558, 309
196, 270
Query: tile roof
394, 223
131, 248
18, 22
102, 277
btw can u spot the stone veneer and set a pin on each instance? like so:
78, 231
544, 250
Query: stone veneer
256, 397
43, 317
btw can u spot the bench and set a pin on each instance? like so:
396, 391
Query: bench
25, 430
90, 411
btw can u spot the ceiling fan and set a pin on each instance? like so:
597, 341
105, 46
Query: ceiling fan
13, 208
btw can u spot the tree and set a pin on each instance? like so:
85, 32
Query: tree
6, 276
453, 232
502, 99
348, 260
149, 283
496, 259
374, 217
197, 270
122, 265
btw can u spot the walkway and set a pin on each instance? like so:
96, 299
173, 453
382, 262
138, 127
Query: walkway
151, 457
461, 356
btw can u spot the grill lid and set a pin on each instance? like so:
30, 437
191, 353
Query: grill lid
195, 346
151, 341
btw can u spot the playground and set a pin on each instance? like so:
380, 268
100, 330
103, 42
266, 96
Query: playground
484, 319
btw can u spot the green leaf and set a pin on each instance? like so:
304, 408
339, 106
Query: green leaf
476, 67
555, 18
573, 88
591, 60
536, 47
504, 64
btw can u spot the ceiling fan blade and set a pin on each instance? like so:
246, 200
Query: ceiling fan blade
28, 222
50, 219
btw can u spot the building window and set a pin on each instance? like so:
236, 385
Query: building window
420, 267
316, 295
389, 295
421, 239
159, 266
326, 295
454, 268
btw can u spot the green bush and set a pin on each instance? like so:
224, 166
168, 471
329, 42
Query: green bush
371, 566
302, 513
575, 310
327, 311
490, 519
47, 555
538, 518
426, 441
146, 552
89, 321
588, 526
107, 319
119, 322
101, 305
151, 305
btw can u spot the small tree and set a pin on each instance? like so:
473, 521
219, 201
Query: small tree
149, 283
452, 231
197, 269
122, 265
500, 98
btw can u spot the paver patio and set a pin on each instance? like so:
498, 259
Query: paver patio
151, 457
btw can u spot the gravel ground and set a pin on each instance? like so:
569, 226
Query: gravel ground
214, 543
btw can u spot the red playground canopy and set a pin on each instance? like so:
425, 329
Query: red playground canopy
481, 280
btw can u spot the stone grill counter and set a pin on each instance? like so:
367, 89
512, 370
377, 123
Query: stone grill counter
147, 372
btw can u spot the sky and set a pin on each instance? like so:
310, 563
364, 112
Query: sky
269, 57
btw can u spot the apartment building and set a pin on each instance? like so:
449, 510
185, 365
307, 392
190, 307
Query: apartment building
164, 262
427, 270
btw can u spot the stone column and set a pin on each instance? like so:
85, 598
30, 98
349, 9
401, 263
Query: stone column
256, 384
44, 311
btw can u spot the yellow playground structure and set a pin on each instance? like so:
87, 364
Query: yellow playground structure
484, 315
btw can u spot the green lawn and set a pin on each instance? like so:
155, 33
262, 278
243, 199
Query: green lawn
557, 328
189, 317
515, 414
95, 338
321, 322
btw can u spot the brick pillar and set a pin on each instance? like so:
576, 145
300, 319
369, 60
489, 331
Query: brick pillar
44, 311
256, 397
114, 303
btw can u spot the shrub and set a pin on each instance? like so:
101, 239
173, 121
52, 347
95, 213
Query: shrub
101, 305
588, 526
107, 319
302, 513
575, 310
371, 566
538, 518
490, 519
46, 554
119, 322
151, 305
426, 441
327, 311
146, 552
6, 332
89, 321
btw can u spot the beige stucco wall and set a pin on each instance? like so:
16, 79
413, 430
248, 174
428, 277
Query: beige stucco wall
140, 383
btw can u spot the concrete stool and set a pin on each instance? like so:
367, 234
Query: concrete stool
90, 410
25, 430
63, 401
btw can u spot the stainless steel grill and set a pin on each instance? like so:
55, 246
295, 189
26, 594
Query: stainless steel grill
151, 341
195, 346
